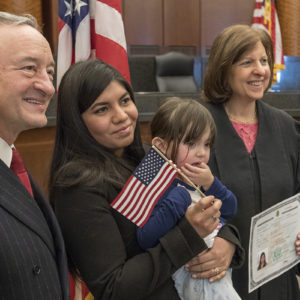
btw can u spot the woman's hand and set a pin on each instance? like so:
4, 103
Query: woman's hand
297, 244
212, 263
204, 215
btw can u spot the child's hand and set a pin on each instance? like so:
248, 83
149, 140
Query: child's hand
199, 175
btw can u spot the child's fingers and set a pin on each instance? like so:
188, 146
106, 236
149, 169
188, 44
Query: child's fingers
194, 168
192, 171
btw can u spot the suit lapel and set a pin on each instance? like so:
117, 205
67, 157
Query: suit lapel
15, 198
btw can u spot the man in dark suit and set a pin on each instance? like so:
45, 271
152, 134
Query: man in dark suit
32, 254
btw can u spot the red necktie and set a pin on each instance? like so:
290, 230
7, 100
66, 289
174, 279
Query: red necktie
17, 166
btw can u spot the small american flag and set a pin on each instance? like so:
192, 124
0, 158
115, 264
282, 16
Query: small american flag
91, 28
145, 186
265, 17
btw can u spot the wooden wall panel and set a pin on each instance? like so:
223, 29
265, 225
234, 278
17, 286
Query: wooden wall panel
46, 13
218, 14
181, 23
36, 148
50, 28
33, 7
143, 22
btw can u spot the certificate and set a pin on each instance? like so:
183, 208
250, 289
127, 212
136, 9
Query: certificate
273, 234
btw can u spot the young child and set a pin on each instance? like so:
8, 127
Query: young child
184, 131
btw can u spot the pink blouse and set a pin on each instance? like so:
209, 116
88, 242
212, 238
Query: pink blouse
247, 133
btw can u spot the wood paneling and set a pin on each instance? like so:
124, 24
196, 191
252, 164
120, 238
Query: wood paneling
218, 14
50, 17
180, 25
181, 22
33, 7
36, 148
143, 22
46, 13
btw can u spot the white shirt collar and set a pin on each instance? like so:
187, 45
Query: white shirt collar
5, 152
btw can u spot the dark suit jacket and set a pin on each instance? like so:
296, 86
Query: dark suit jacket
33, 262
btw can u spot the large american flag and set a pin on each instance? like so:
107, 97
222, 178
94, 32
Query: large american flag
144, 188
91, 28
265, 17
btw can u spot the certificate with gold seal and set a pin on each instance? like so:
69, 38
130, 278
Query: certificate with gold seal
273, 234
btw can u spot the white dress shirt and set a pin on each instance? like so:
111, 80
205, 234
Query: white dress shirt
5, 152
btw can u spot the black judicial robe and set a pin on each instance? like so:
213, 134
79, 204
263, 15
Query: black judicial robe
266, 176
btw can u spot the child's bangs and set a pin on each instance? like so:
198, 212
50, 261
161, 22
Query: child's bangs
196, 125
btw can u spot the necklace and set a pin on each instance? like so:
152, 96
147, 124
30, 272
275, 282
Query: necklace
250, 120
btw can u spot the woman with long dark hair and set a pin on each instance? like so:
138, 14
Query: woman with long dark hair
97, 147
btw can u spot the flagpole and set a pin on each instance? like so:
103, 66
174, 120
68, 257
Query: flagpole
170, 162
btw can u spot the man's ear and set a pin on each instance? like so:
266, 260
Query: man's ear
160, 144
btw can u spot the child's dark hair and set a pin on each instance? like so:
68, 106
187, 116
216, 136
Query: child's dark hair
179, 118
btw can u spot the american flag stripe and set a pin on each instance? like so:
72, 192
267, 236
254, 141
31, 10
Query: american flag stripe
265, 17
140, 188
109, 23
83, 44
109, 39
64, 59
119, 203
127, 205
153, 194
116, 4
123, 197
110, 50
279, 60
259, 12
144, 217
145, 186
152, 187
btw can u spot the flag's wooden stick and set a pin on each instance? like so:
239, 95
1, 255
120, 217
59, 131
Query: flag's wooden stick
170, 162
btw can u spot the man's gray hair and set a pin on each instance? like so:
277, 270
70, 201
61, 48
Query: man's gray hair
12, 19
